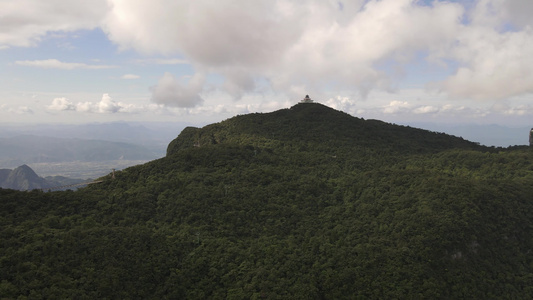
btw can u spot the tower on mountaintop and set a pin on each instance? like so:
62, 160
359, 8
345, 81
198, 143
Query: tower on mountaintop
306, 99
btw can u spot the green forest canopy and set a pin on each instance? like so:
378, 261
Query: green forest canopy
301, 203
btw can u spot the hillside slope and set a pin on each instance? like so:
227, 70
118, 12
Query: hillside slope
303, 203
314, 123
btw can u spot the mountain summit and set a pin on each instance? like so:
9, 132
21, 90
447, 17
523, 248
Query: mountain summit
312, 124
22, 178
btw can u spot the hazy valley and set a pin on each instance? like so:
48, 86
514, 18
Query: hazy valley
83, 151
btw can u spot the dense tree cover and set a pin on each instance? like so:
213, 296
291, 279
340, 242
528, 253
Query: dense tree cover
330, 207
315, 125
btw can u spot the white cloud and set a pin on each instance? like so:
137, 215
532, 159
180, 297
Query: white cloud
56, 64
234, 108
23, 23
297, 47
213, 33
518, 12
287, 42
494, 63
130, 76
345, 104
495, 13
314, 45
397, 106
426, 109
106, 105
24, 110
506, 109
163, 61
61, 104
85, 107
169, 91
407, 108
20, 110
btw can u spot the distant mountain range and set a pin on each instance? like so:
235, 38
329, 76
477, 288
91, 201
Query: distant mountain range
24, 178
153, 136
36, 149
85, 150
488, 135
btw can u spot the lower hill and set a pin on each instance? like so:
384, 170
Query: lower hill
304, 203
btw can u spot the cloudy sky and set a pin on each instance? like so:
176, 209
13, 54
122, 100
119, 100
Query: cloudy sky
203, 61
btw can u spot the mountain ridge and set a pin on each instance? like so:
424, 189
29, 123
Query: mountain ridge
315, 122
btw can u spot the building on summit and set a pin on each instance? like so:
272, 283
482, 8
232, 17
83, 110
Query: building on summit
531, 137
306, 99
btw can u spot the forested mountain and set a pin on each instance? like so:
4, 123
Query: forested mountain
318, 126
301, 203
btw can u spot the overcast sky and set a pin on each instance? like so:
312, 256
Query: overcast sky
203, 61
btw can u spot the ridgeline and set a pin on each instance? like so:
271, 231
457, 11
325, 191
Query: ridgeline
300, 203
319, 125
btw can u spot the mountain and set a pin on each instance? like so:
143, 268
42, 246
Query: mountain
300, 203
24, 178
4, 173
314, 123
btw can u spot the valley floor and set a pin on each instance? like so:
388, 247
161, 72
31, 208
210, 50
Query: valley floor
81, 169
